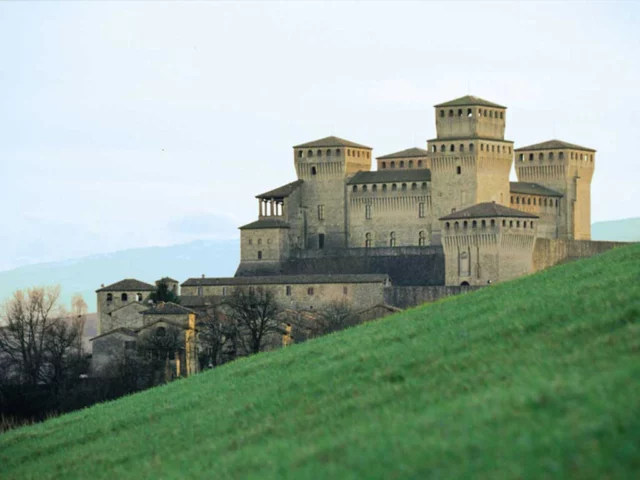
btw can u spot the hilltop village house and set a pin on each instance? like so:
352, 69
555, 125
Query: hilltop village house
425, 224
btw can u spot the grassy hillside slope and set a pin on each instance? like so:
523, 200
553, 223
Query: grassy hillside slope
539, 377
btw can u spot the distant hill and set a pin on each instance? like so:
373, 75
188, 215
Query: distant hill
533, 378
85, 275
625, 230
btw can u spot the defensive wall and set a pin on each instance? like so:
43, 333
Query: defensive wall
406, 266
407, 297
548, 252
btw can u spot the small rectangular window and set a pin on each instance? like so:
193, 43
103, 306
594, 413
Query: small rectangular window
224, 290
458, 170
345, 290
320, 212
288, 290
310, 291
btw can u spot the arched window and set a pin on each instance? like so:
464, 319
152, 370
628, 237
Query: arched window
124, 297
200, 291
465, 224
404, 187
504, 223
529, 201
531, 224
511, 198
384, 164
337, 151
422, 238
364, 188
458, 170
510, 223
109, 297
374, 188
452, 148
447, 225
531, 157
518, 200
410, 163
461, 148
518, 223
424, 185
313, 170
259, 254
482, 147
551, 156
434, 148
300, 153
443, 148
456, 226
419, 163
401, 163
561, 155
493, 223
393, 164
469, 112
459, 112
521, 157
556, 203
483, 224
541, 156
474, 224
545, 202
367, 240
384, 187
358, 152
571, 155
328, 152
491, 113
414, 186
259, 241
451, 113
392, 239
441, 113
394, 187
493, 148
310, 153
319, 153
534, 200
355, 188
524, 224
138, 297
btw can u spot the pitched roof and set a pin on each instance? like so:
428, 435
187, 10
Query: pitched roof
331, 142
267, 222
283, 191
527, 188
392, 175
469, 100
554, 145
167, 308
408, 153
487, 209
195, 301
288, 279
131, 332
164, 320
126, 285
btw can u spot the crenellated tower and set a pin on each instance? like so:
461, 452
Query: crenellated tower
567, 169
470, 159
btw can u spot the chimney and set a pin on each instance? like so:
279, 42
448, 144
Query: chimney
203, 275
102, 285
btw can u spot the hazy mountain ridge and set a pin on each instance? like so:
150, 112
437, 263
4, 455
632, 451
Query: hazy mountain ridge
214, 258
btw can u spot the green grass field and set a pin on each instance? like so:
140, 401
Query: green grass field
535, 378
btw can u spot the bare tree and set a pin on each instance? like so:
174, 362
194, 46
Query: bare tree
217, 333
157, 347
334, 317
28, 318
255, 313
63, 350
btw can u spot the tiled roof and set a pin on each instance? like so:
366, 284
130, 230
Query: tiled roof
267, 222
331, 142
128, 284
288, 279
126, 331
391, 175
554, 145
487, 209
408, 153
283, 191
527, 188
469, 100
167, 308
196, 301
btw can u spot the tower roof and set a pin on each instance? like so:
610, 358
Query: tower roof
331, 142
527, 188
408, 153
487, 209
127, 284
167, 308
554, 145
469, 100
268, 222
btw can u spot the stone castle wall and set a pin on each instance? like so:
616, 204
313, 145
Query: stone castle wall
407, 297
548, 252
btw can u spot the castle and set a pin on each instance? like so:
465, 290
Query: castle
426, 223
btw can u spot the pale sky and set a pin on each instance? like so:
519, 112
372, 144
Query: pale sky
127, 124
